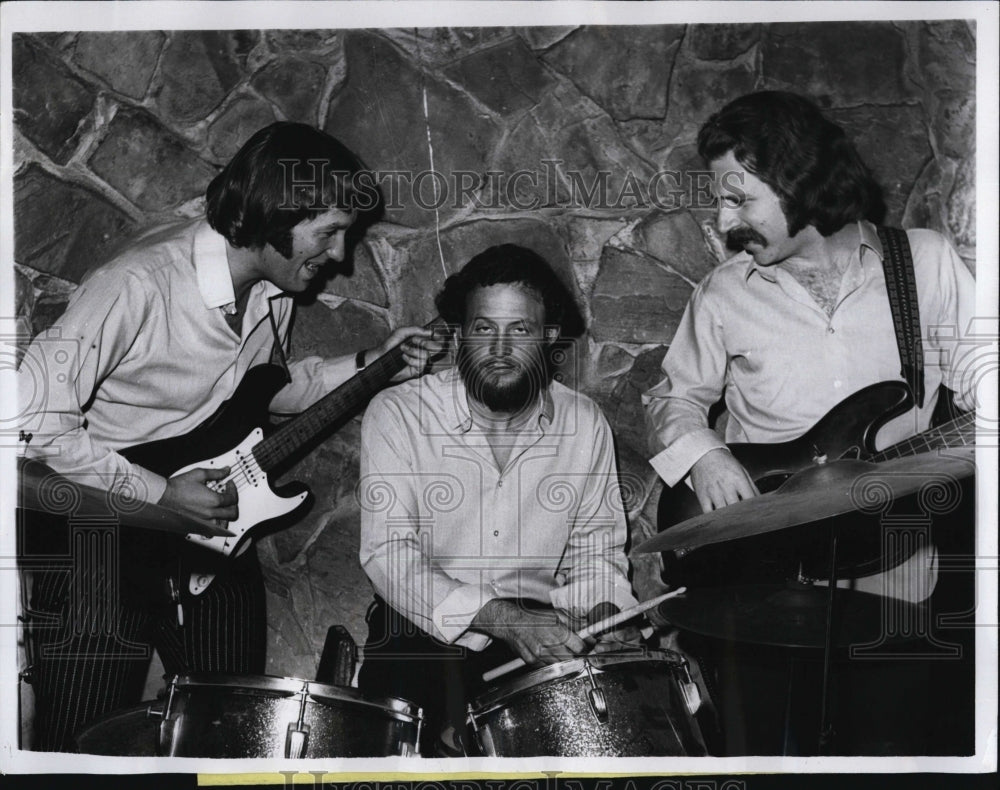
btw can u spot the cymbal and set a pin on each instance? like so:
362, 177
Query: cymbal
44, 490
819, 492
787, 615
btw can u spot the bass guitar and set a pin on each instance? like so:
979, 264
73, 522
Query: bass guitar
848, 431
223, 441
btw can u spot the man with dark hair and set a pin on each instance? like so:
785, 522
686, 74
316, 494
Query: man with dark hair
801, 319
162, 336
491, 522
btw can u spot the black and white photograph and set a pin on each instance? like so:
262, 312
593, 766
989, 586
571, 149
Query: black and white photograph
483, 388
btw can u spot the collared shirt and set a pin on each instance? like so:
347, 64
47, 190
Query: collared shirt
444, 530
143, 352
756, 334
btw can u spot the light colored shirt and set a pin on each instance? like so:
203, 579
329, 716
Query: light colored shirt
143, 352
756, 334
444, 530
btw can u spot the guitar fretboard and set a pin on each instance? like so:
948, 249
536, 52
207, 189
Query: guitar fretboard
350, 395
960, 432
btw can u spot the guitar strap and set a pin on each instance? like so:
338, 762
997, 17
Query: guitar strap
900, 282
277, 350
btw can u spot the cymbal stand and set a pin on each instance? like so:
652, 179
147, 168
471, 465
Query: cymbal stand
825, 726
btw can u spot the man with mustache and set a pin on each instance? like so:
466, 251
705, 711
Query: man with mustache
491, 523
801, 318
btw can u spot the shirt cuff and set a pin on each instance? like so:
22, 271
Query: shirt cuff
455, 613
151, 486
676, 461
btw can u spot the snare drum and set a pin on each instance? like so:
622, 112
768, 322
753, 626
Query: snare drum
259, 716
607, 704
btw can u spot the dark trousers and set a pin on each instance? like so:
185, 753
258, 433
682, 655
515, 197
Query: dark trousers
402, 661
90, 635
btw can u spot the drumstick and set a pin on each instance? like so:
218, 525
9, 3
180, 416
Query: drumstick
591, 630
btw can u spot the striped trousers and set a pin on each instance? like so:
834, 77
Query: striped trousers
91, 637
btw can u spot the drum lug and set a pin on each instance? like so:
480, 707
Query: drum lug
690, 691
598, 701
296, 740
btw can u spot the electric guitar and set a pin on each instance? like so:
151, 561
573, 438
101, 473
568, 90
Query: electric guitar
848, 430
223, 441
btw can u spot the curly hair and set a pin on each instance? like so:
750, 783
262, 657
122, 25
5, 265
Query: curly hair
504, 264
283, 174
784, 140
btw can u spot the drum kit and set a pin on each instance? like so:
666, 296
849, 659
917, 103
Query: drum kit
631, 703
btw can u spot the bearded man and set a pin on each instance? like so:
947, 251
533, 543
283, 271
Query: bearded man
491, 522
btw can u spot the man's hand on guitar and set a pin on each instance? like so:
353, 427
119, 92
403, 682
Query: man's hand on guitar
541, 636
719, 480
189, 494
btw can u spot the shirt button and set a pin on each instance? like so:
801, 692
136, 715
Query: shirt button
496, 532
830, 329
499, 483
837, 384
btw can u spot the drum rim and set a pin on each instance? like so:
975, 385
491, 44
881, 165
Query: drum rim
571, 669
396, 706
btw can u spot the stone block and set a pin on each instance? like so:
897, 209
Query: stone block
199, 69
700, 88
577, 155
893, 143
324, 332
50, 104
834, 63
635, 301
625, 69
388, 130
721, 42
61, 228
925, 207
361, 281
541, 38
434, 47
295, 85
507, 77
946, 55
961, 210
149, 165
316, 42
124, 60
953, 122
676, 240
237, 123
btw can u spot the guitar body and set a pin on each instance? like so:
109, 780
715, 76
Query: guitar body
846, 431
223, 441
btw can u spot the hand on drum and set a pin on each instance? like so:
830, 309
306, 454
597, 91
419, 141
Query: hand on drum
538, 636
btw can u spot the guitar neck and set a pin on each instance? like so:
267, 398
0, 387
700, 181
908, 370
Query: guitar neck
960, 432
353, 393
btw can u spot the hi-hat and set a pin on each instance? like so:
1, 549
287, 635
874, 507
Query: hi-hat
44, 490
820, 492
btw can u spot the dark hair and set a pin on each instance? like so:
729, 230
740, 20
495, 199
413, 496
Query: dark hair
504, 264
285, 173
785, 141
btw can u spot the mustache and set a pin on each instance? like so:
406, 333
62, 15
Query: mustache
738, 238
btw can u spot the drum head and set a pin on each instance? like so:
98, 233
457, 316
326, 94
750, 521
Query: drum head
125, 733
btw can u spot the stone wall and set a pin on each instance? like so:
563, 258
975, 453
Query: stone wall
551, 137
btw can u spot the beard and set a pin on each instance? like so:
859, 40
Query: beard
502, 384
738, 238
